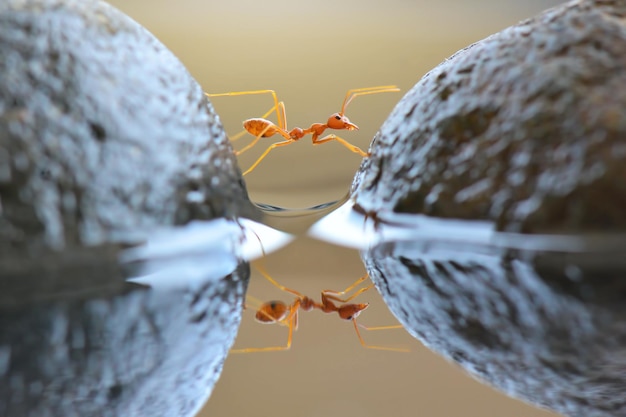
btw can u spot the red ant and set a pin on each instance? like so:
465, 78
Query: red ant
282, 313
263, 128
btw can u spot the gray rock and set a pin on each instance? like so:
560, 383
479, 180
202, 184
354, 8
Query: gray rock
105, 138
103, 132
521, 133
524, 128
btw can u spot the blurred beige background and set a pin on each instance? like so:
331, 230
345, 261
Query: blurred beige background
311, 53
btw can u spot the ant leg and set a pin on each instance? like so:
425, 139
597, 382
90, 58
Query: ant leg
355, 92
256, 139
353, 285
282, 122
293, 320
268, 126
244, 131
393, 349
276, 284
331, 295
334, 295
392, 326
344, 142
239, 135
280, 112
273, 146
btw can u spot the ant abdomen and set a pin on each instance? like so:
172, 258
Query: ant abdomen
260, 127
272, 312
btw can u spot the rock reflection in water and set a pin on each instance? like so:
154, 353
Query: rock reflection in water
548, 327
78, 339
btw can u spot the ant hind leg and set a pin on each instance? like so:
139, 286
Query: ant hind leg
292, 320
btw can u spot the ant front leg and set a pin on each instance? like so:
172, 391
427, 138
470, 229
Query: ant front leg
344, 142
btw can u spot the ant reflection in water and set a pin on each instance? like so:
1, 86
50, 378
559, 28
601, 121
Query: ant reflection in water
287, 314
263, 128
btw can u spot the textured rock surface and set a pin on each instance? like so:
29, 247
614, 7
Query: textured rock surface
104, 139
103, 132
549, 328
525, 128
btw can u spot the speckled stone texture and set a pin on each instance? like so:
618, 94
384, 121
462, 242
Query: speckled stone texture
103, 132
105, 138
525, 128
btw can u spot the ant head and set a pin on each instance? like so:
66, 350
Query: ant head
272, 312
339, 121
351, 311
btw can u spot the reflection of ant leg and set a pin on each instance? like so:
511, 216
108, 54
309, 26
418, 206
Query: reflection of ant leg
276, 284
335, 295
275, 312
358, 333
278, 312
293, 319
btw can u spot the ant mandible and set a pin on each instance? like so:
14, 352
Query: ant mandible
281, 313
263, 128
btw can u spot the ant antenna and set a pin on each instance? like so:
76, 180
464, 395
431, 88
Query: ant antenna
355, 92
